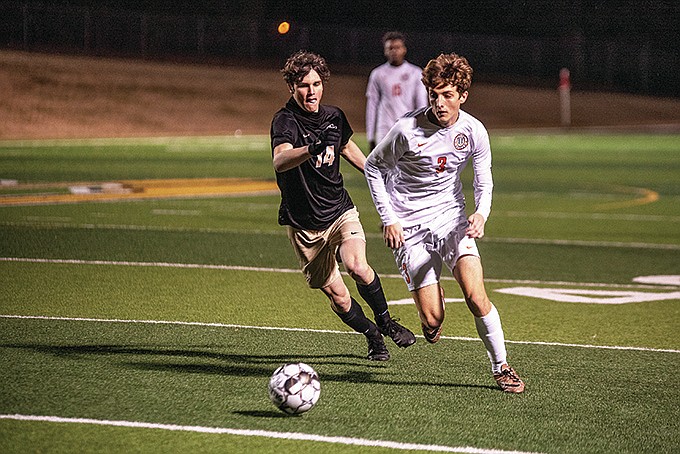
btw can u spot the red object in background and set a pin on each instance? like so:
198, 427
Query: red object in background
565, 81
565, 97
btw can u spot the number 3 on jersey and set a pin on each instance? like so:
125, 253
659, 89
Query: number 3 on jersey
441, 164
327, 157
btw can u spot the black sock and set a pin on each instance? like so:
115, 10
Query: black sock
375, 297
356, 319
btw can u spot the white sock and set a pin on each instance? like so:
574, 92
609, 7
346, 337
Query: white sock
491, 332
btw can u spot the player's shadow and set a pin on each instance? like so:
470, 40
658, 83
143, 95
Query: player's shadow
265, 414
358, 369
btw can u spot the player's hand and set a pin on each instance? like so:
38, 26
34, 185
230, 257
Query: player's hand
393, 235
329, 136
475, 227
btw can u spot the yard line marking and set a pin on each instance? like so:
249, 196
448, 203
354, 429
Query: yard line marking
289, 270
598, 347
575, 284
322, 331
148, 264
666, 279
618, 244
173, 322
592, 216
589, 296
150, 228
409, 301
555, 242
263, 433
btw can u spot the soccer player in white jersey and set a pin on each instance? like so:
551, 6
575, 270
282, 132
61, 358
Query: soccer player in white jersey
394, 88
414, 178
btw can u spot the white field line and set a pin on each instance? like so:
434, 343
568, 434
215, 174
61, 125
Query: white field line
148, 264
150, 228
349, 441
322, 331
555, 242
591, 216
290, 270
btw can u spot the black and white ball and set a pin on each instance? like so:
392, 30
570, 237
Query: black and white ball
294, 388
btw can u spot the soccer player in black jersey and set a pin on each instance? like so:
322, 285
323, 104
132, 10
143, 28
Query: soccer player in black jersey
323, 224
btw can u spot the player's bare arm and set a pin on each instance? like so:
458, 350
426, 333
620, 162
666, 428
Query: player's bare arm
353, 154
286, 157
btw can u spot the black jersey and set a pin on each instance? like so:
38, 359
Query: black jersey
313, 194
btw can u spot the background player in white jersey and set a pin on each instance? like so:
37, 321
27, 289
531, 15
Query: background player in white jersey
394, 88
414, 178
307, 141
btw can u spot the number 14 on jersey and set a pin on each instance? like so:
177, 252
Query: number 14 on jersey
327, 157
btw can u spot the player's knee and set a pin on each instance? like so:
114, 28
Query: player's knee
479, 305
360, 271
340, 305
433, 320
339, 296
340, 300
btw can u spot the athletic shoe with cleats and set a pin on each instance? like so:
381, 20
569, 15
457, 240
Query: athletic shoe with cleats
401, 335
432, 335
508, 380
377, 351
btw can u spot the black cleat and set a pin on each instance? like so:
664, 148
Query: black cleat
377, 351
401, 335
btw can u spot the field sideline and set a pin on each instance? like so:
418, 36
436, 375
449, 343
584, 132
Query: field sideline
153, 325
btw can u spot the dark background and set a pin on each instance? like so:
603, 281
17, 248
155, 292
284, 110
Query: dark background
646, 18
628, 46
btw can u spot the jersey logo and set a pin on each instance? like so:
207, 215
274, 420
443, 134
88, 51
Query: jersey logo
460, 142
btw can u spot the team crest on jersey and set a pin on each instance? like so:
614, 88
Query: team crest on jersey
460, 142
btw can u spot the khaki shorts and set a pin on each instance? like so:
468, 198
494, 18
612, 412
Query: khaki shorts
317, 249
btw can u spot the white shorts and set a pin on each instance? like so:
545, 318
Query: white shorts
426, 247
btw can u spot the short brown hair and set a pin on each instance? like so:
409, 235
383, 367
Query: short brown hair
389, 36
448, 69
301, 63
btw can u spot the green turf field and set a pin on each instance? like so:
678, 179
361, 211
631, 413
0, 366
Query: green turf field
154, 325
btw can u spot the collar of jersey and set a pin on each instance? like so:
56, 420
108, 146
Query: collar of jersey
296, 109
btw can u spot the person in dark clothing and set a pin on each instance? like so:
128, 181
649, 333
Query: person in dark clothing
323, 224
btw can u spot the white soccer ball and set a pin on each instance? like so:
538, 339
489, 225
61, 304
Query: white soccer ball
294, 388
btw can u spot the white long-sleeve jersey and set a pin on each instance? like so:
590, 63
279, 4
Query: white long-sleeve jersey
392, 91
414, 172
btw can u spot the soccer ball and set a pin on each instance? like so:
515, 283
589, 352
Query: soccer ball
294, 388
